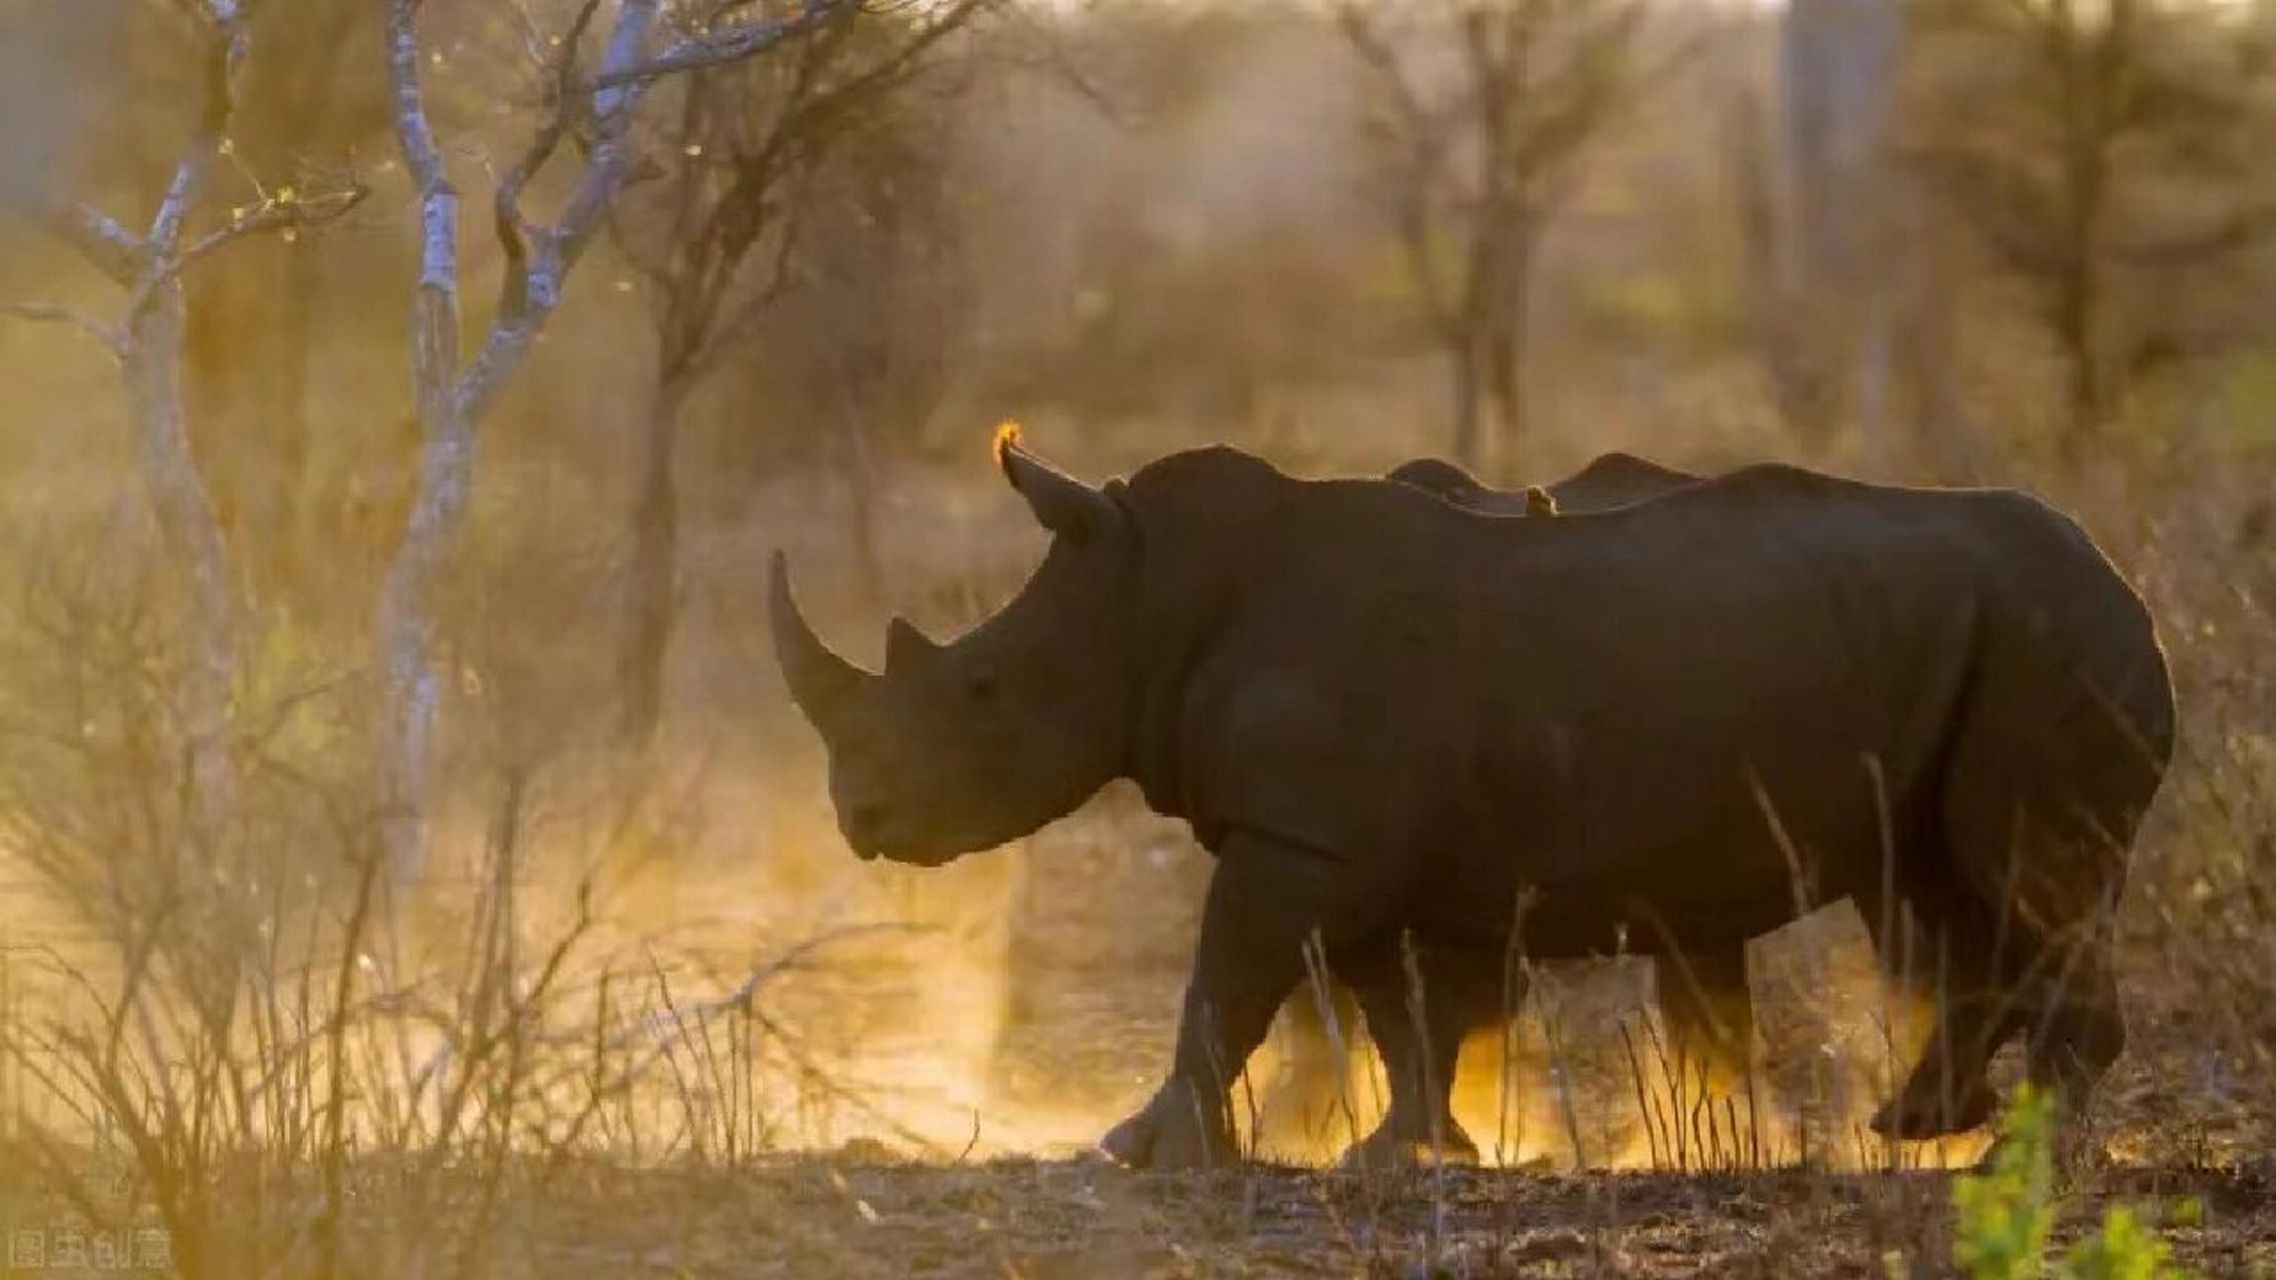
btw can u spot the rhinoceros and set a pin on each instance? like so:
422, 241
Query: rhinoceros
1407, 731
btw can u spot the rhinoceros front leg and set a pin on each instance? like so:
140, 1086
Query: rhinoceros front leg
1265, 902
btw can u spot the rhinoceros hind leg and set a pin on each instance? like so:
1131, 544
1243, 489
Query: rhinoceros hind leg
1924, 1109
1418, 1020
1948, 1090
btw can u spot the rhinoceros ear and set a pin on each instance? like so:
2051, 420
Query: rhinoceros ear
1539, 502
904, 644
1061, 503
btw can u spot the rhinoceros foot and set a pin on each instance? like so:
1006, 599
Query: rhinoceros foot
1390, 1147
1172, 1132
2073, 1152
1917, 1113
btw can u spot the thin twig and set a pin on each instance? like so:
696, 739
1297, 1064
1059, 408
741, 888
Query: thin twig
298, 214
48, 313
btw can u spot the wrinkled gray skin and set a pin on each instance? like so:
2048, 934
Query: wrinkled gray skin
1392, 719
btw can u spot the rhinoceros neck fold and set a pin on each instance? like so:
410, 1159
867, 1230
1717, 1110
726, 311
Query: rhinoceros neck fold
1203, 523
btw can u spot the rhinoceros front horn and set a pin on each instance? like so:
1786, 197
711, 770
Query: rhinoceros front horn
820, 681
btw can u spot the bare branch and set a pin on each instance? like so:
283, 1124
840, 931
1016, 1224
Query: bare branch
1417, 126
894, 68
514, 231
278, 213
725, 333
229, 40
438, 200
108, 245
720, 48
48, 313
527, 297
1416, 140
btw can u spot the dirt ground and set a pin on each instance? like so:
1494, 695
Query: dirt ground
1076, 1219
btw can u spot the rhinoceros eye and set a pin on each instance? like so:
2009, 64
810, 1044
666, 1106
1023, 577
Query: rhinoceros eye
980, 687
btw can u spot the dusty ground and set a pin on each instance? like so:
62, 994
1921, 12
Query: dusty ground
1080, 1219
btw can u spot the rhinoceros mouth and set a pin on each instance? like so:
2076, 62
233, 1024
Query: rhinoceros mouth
928, 847
912, 855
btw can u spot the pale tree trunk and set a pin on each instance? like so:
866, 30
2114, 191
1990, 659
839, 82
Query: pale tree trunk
411, 685
153, 367
407, 628
155, 328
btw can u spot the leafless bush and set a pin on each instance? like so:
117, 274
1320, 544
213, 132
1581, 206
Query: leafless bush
275, 1059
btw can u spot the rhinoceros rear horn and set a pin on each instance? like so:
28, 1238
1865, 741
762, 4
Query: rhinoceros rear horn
1062, 504
820, 681
904, 645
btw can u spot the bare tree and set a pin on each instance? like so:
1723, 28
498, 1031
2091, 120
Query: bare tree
714, 235
146, 339
2044, 125
455, 394
1477, 131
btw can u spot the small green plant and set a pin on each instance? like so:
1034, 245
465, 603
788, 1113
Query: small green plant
2007, 1213
2124, 1249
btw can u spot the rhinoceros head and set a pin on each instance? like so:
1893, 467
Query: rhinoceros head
963, 746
